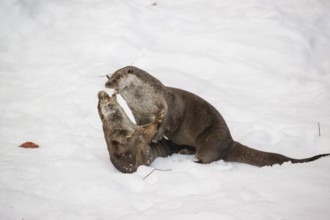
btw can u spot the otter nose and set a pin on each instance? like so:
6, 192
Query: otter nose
108, 84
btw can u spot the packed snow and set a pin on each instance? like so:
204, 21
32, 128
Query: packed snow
263, 64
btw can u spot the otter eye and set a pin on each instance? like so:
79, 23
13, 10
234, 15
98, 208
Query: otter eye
129, 71
118, 77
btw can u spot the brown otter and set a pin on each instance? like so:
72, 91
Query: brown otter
188, 119
129, 144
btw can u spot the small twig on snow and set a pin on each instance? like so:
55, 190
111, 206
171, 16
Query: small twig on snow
319, 128
153, 171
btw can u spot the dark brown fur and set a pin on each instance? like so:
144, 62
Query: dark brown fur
188, 119
129, 144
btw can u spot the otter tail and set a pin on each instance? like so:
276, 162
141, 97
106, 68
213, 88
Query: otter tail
243, 154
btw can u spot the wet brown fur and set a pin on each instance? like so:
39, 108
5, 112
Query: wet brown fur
188, 119
130, 145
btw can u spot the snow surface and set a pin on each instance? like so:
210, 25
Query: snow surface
263, 64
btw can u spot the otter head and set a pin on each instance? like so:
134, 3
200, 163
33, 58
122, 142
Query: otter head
107, 104
121, 78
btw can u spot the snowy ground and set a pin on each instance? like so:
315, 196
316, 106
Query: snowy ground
263, 64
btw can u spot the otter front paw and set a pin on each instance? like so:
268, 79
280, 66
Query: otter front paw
140, 131
158, 136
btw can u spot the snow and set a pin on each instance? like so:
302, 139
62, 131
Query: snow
263, 64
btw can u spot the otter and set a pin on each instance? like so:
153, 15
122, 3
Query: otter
188, 120
129, 145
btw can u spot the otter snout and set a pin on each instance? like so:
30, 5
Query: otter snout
102, 95
110, 83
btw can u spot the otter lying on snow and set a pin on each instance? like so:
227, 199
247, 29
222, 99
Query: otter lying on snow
188, 119
129, 145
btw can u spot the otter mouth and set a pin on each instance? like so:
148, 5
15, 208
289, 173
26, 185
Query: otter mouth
105, 97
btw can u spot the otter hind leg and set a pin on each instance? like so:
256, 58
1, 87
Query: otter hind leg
210, 151
209, 147
205, 157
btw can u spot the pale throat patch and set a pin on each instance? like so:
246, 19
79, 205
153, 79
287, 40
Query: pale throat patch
131, 86
106, 111
129, 80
